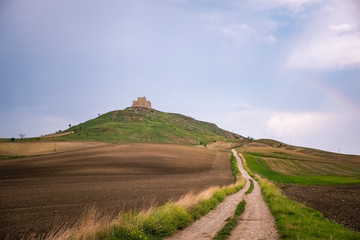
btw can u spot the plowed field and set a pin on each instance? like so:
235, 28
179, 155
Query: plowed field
38, 193
339, 203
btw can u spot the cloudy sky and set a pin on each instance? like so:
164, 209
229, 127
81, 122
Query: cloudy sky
283, 69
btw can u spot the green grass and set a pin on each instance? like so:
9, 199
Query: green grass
147, 125
9, 157
234, 167
257, 164
162, 221
251, 188
225, 232
296, 221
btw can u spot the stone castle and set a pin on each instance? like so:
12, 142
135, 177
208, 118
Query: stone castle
142, 102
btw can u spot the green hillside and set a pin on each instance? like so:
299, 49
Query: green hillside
288, 164
147, 125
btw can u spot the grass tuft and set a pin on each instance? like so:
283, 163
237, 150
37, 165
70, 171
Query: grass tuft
91, 224
166, 219
225, 232
192, 198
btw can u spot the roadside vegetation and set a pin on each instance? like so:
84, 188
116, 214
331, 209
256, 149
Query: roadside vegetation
234, 168
295, 220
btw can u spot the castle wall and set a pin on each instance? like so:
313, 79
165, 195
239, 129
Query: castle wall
141, 102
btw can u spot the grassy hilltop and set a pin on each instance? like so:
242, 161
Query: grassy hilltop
147, 125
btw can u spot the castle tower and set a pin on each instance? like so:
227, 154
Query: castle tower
142, 102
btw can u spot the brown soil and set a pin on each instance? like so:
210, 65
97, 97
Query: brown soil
340, 203
220, 145
41, 192
41, 148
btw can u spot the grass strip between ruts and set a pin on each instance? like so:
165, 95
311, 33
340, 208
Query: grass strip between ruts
251, 188
225, 232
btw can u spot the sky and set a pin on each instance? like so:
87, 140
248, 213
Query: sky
287, 70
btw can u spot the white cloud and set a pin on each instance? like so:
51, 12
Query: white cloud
239, 35
343, 27
298, 123
322, 130
292, 6
268, 38
331, 41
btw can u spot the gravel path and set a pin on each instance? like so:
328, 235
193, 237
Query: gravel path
256, 222
207, 226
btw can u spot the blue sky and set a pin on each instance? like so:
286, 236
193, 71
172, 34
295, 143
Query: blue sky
286, 70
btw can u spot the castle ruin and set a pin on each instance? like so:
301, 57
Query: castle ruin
142, 102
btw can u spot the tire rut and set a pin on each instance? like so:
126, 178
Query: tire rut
255, 223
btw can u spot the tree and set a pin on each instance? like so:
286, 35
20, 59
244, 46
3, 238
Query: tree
22, 135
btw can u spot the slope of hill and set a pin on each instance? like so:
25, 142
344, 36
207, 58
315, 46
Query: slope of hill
288, 164
328, 182
147, 125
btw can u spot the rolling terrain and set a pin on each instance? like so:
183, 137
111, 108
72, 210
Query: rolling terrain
40, 193
132, 159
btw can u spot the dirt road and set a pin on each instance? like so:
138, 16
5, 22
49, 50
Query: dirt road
255, 223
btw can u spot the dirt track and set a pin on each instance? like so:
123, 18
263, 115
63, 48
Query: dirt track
255, 223
41, 192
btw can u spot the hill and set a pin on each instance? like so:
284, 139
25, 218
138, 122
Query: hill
147, 125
